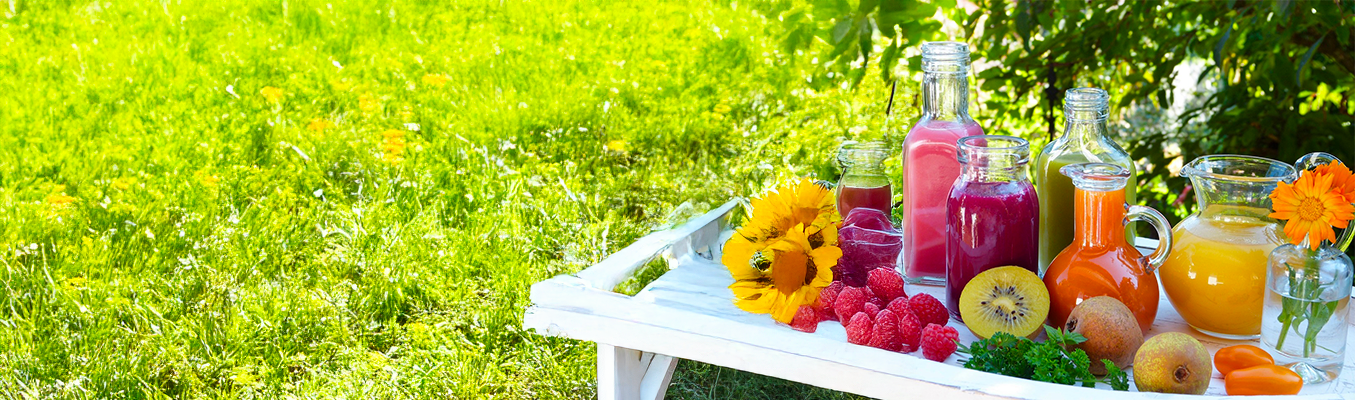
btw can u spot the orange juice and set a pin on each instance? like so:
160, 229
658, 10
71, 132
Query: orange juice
1215, 275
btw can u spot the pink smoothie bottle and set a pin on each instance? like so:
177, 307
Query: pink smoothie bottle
929, 164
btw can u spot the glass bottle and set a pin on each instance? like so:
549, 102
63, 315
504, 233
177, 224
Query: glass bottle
863, 182
929, 159
992, 215
1084, 140
1100, 262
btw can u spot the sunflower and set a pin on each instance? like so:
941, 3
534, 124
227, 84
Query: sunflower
1312, 206
784, 255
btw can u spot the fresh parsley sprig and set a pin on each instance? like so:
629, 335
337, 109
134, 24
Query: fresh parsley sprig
1048, 361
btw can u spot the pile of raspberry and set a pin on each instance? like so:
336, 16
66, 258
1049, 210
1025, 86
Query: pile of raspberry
882, 316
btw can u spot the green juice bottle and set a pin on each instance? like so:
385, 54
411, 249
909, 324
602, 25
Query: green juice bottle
1084, 140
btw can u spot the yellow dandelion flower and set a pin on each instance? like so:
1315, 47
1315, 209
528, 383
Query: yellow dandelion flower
124, 183
74, 282
341, 85
59, 200
210, 180
393, 146
618, 146
272, 94
319, 125
368, 103
782, 257
436, 80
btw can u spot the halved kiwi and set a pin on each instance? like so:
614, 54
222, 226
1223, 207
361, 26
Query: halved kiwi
1005, 299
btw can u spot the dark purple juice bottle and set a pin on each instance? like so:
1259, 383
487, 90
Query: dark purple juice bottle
992, 214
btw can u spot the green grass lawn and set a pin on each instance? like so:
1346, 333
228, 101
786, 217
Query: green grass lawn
264, 199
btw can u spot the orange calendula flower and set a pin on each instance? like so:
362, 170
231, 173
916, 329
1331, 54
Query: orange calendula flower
319, 125
783, 256
436, 80
1342, 179
272, 94
1311, 207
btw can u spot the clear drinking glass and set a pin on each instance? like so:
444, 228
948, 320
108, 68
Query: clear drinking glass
1304, 320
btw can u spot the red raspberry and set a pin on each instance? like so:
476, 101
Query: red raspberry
871, 297
928, 309
938, 342
899, 306
871, 309
886, 335
851, 301
886, 283
806, 320
859, 329
910, 329
825, 303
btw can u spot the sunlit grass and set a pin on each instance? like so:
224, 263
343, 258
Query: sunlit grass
321, 199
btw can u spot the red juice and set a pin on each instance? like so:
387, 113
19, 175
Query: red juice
929, 171
879, 198
997, 225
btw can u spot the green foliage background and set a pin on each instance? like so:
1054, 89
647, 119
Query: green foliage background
166, 230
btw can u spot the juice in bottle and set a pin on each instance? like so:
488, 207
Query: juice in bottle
1085, 139
1099, 262
929, 163
992, 213
1216, 274
863, 182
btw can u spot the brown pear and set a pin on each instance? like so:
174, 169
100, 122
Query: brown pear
1172, 362
1111, 330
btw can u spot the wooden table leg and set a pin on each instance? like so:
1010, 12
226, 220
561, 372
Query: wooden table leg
625, 374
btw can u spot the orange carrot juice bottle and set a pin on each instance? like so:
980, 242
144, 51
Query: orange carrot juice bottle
1100, 262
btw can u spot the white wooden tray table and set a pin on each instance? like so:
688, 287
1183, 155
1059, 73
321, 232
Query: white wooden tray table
689, 313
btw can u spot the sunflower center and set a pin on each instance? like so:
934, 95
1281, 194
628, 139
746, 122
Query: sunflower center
1311, 209
788, 271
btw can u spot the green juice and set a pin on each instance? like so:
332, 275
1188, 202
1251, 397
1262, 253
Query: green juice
1056, 205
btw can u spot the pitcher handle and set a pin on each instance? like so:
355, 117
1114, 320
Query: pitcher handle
1164, 234
1310, 161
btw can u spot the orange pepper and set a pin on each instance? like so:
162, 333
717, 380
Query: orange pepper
1232, 358
1268, 379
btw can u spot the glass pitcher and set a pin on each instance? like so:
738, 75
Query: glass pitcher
1099, 261
864, 182
1215, 276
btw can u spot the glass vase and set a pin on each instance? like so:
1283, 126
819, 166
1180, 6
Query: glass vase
1304, 318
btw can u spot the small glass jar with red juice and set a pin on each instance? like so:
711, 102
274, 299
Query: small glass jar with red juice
992, 214
863, 182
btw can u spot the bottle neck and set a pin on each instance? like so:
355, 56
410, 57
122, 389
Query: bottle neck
1085, 130
945, 95
1100, 218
